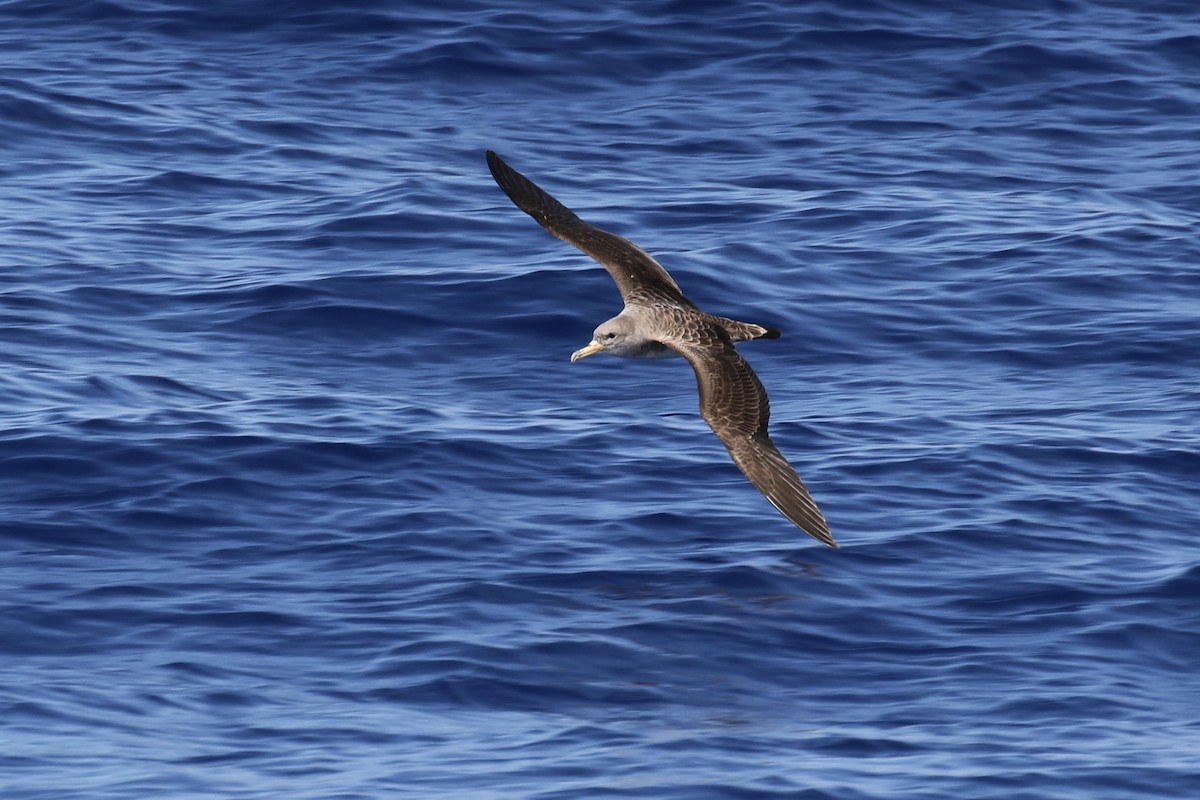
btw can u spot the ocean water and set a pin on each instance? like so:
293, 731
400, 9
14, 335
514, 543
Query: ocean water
302, 499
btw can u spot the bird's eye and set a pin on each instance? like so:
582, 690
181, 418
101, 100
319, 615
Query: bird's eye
608, 337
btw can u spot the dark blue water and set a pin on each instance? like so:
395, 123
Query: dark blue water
302, 499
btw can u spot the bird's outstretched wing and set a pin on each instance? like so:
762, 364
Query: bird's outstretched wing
735, 405
635, 272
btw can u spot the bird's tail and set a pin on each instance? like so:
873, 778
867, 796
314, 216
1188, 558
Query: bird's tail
744, 331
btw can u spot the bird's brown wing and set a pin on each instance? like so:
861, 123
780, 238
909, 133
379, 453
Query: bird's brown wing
735, 405
635, 272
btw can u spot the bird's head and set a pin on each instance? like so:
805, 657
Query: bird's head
616, 337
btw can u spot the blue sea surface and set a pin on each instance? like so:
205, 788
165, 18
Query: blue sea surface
300, 496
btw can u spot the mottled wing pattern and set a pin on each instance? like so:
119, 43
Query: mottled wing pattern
631, 267
735, 405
